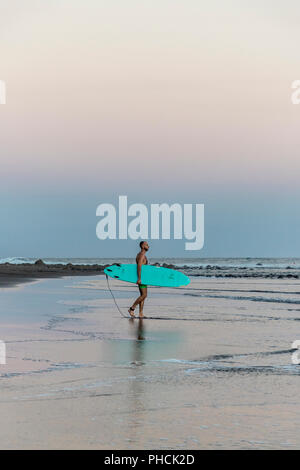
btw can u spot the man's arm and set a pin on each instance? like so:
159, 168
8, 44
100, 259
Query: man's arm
139, 267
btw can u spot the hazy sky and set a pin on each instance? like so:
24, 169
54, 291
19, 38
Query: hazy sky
163, 101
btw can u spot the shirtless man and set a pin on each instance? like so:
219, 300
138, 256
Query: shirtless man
140, 260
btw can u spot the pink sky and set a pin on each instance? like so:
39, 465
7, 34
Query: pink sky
197, 91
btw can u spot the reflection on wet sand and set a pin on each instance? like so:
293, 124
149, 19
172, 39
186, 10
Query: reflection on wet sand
136, 396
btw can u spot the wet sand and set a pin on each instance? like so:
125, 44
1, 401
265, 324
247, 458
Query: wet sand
211, 368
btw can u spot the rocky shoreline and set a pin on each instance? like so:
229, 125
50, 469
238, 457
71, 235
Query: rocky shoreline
11, 274
235, 272
242, 272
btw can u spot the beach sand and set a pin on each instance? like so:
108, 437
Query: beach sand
211, 368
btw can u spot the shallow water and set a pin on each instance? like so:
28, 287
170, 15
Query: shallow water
209, 368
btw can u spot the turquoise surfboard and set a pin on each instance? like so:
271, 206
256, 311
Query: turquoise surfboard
151, 275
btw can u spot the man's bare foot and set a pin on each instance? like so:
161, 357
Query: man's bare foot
131, 312
141, 315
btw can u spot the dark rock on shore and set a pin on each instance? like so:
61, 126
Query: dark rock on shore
39, 262
40, 269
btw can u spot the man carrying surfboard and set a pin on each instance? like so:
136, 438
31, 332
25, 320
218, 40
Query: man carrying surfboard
141, 259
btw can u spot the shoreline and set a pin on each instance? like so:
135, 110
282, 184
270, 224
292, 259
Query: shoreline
14, 274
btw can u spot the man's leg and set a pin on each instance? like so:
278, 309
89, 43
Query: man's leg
141, 298
143, 291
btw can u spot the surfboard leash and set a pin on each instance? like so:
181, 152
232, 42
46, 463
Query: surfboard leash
124, 316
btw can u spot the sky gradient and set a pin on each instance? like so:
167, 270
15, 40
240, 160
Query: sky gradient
165, 101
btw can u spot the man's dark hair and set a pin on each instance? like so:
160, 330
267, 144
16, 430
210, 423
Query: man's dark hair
141, 244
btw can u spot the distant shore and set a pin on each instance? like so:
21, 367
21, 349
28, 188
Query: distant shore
12, 274
16, 273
